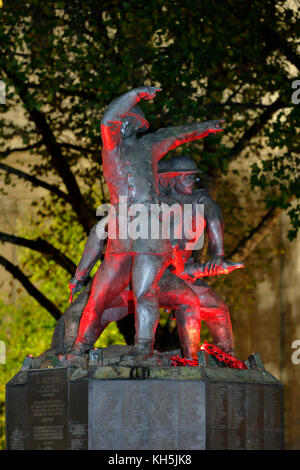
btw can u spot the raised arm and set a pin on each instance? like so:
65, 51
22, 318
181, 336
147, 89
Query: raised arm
163, 140
91, 254
112, 119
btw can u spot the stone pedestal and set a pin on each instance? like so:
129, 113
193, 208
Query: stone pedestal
167, 408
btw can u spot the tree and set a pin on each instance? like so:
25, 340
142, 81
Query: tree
63, 62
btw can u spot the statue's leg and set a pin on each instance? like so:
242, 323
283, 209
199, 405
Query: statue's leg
177, 294
214, 312
110, 280
65, 334
147, 270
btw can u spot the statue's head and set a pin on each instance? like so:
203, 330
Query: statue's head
180, 172
134, 122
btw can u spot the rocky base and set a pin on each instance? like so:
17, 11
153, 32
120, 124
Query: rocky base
114, 355
123, 356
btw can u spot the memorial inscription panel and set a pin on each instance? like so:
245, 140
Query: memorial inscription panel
47, 412
244, 416
17, 429
272, 418
254, 405
78, 415
147, 414
47, 400
47, 409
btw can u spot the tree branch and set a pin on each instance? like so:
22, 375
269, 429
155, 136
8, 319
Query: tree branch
254, 129
78, 148
87, 95
35, 181
273, 38
20, 149
256, 235
44, 247
59, 163
242, 106
31, 289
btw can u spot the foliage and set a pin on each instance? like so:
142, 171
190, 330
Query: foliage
25, 329
67, 60
63, 63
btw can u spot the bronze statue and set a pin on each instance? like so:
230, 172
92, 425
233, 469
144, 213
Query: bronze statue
191, 298
130, 171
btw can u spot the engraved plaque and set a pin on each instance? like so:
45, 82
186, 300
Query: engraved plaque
78, 415
78, 436
272, 407
17, 438
147, 414
47, 409
105, 399
163, 404
272, 417
254, 407
217, 415
244, 416
16, 417
236, 416
191, 415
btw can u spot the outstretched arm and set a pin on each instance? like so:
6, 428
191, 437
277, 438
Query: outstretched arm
111, 122
193, 271
163, 140
91, 254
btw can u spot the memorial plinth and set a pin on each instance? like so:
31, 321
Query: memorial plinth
167, 408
